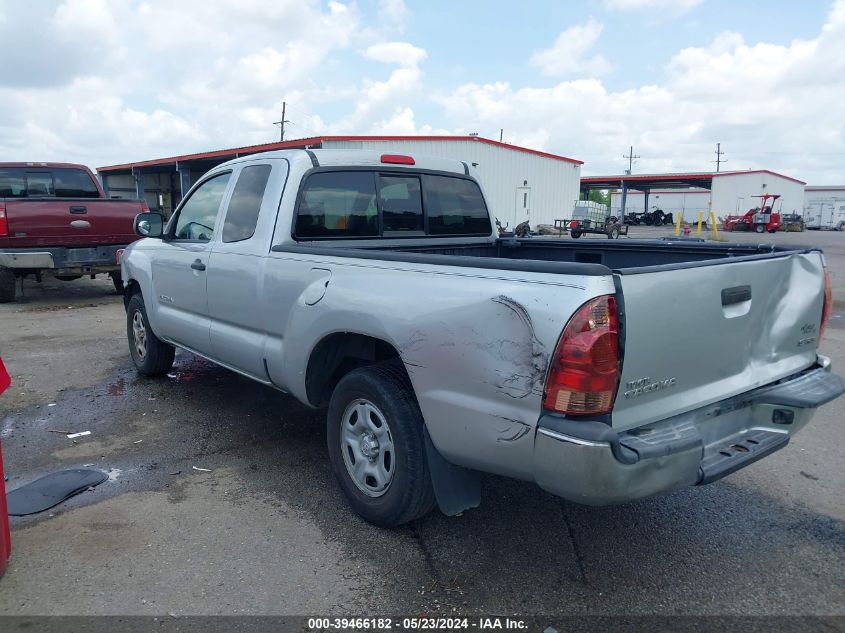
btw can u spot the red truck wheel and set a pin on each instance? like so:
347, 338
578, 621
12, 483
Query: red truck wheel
8, 283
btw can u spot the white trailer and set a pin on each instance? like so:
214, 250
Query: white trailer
824, 207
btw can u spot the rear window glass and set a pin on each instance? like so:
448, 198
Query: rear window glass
338, 204
348, 204
401, 203
242, 215
74, 183
455, 207
60, 182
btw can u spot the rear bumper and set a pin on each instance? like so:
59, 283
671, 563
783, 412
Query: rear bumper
590, 463
63, 260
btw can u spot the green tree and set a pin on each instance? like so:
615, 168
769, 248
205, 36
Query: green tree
599, 195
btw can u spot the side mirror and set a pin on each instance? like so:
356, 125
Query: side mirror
149, 224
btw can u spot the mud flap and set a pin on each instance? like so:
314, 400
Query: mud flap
455, 488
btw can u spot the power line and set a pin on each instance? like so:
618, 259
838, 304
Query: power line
630, 156
719, 160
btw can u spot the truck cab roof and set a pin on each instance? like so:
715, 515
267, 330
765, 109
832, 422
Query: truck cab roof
358, 158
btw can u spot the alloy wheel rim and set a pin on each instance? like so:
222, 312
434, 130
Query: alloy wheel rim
139, 334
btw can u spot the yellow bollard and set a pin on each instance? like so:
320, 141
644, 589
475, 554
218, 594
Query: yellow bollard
698, 228
714, 225
678, 224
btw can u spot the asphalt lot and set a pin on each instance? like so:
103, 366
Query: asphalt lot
267, 531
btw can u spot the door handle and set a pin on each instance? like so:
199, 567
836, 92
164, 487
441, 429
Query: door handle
198, 265
738, 294
78, 210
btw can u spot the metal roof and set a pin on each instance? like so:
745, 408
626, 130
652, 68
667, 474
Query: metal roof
703, 180
313, 142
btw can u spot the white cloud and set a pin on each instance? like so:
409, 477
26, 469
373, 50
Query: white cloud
395, 11
567, 54
673, 6
399, 53
771, 106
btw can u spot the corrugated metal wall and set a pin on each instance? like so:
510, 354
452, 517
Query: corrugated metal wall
735, 193
506, 175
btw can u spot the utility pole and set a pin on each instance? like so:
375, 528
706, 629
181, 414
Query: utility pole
501, 133
719, 160
281, 123
631, 157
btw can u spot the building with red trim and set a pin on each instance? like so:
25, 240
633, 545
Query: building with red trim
520, 183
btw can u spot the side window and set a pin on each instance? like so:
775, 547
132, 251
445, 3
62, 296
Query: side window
74, 183
39, 183
242, 214
455, 206
401, 203
199, 213
338, 204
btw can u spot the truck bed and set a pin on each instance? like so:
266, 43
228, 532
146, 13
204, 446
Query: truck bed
590, 257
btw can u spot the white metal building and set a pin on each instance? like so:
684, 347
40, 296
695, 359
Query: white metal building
824, 207
520, 183
725, 193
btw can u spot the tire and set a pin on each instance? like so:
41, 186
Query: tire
8, 285
373, 407
575, 233
151, 356
118, 282
67, 277
840, 226
613, 233
772, 231
760, 228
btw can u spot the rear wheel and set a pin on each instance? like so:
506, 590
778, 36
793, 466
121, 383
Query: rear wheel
151, 356
760, 228
376, 445
8, 285
575, 233
117, 281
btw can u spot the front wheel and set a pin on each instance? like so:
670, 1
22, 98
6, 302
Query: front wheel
376, 445
575, 233
760, 228
613, 233
151, 356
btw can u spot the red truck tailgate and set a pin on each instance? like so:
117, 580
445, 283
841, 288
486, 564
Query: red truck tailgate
70, 222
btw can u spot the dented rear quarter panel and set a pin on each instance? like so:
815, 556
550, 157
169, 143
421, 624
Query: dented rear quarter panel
476, 343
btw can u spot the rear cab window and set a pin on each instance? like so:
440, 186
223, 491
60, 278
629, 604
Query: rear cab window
59, 182
374, 203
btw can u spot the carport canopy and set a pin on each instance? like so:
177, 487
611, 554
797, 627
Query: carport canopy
647, 182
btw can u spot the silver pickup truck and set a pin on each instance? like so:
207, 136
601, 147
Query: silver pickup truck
375, 285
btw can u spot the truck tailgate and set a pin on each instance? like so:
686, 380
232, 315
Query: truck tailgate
697, 334
70, 222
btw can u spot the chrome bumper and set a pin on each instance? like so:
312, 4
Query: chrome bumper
26, 260
588, 462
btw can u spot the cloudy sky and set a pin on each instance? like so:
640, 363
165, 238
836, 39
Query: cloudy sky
110, 81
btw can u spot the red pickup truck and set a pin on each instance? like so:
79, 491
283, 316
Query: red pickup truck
55, 218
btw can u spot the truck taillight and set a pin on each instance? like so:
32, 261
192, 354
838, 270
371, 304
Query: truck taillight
145, 208
397, 159
584, 372
4, 221
828, 303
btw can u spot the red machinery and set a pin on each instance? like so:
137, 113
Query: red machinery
759, 219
